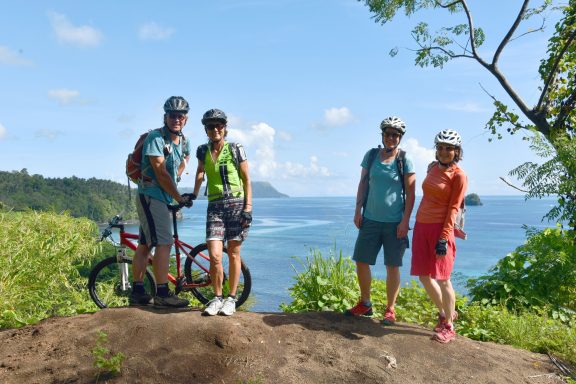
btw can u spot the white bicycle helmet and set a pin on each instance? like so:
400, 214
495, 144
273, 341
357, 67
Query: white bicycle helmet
448, 136
393, 122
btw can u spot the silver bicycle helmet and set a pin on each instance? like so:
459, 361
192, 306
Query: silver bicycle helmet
214, 116
448, 136
176, 104
393, 122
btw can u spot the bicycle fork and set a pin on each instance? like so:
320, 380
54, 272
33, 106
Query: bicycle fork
123, 269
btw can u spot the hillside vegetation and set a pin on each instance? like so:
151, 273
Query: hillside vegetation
93, 198
96, 199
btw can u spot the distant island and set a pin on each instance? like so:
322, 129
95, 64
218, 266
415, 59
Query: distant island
472, 199
260, 189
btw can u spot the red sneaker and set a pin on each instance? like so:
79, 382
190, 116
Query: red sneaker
446, 335
359, 310
442, 321
389, 317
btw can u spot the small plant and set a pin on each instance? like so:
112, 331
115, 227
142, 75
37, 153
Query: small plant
326, 284
104, 360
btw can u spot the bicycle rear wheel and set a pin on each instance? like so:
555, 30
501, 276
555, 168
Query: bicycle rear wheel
196, 270
105, 283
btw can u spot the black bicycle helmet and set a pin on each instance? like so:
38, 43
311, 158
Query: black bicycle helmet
176, 104
393, 122
214, 116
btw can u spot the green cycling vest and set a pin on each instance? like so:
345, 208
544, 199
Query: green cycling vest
223, 177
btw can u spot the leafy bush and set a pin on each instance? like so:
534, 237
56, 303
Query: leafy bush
41, 255
326, 284
540, 273
534, 331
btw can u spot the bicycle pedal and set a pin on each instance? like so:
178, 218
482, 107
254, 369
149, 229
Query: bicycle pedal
180, 283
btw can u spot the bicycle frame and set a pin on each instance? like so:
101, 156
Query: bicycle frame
127, 240
112, 276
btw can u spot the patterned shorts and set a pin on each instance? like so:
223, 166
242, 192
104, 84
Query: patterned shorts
223, 220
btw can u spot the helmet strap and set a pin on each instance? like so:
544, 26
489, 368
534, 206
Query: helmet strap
389, 149
177, 133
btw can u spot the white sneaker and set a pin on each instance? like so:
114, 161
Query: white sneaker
228, 307
213, 306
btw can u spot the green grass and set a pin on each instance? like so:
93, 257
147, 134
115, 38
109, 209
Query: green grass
41, 259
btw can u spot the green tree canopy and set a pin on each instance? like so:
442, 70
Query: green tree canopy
550, 124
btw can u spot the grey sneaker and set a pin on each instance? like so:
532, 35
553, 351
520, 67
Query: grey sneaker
213, 306
228, 307
137, 299
170, 301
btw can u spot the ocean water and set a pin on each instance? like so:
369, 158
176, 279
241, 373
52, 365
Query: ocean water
285, 230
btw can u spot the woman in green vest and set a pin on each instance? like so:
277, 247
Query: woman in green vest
229, 206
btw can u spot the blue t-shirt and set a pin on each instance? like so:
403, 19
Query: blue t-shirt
154, 146
385, 195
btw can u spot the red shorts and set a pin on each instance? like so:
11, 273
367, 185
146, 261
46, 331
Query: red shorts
424, 259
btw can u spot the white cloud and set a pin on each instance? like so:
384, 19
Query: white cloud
63, 96
284, 136
421, 156
259, 141
12, 58
49, 134
2, 132
337, 116
312, 169
153, 31
68, 33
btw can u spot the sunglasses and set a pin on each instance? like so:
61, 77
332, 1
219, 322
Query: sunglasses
447, 148
176, 116
215, 126
393, 135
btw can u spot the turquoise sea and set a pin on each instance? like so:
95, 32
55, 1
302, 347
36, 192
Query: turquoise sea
287, 228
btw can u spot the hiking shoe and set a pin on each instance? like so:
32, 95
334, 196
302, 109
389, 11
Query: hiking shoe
359, 309
442, 321
446, 335
389, 317
228, 307
171, 300
214, 306
139, 298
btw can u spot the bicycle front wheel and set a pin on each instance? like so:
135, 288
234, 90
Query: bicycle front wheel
110, 283
196, 270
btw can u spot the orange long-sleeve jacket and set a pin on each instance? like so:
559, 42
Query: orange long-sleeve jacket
444, 191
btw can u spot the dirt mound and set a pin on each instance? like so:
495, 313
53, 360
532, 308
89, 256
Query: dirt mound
185, 347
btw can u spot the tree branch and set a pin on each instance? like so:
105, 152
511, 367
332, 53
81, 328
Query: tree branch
542, 27
554, 68
511, 31
513, 186
439, 3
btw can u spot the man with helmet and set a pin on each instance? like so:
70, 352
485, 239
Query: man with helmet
229, 206
164, 155
434, 247
384, 203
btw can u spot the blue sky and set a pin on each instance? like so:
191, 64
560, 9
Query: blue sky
304, 82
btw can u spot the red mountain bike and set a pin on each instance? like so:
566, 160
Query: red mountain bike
110, 281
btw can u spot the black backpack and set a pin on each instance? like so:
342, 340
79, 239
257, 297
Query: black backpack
400, 156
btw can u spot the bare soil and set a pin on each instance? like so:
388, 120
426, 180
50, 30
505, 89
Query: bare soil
184, 347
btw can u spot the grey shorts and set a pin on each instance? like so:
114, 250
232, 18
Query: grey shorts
223, 220
374, 235
155, 221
